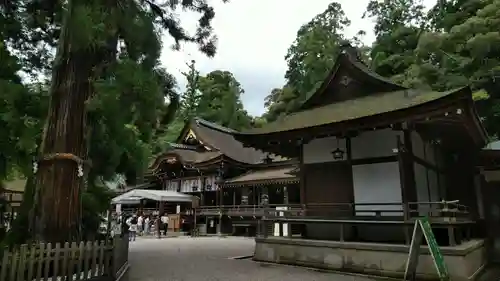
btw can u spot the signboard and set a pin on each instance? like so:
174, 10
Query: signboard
282, 226
423, 228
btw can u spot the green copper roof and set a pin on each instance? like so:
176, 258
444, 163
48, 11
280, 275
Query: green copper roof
371, 105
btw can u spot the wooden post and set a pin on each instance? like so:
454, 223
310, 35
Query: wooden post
234, 197
158, 221
302, 177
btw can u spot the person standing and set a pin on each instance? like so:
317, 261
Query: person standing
140, 224
164, 221
132, 228
146, 225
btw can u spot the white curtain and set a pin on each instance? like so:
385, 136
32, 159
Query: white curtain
188, 184
172, 185
210, 184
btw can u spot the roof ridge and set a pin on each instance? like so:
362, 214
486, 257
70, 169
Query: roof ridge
214, 126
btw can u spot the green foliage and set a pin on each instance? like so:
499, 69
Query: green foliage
95, 201
463, 48
456, 43
220, 101
398, 26
310, 59
215, 97
127, 112
191, 97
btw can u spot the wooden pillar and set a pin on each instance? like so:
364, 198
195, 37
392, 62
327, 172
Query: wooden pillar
202, 194
285, 195
141, 207
348, 147
302, 177
234, 196
158, 221
254, 198
221, 202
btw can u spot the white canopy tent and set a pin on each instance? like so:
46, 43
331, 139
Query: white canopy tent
136, 195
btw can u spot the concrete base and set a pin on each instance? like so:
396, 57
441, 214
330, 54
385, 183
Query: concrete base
464, 262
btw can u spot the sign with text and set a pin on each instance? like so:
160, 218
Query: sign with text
423, 228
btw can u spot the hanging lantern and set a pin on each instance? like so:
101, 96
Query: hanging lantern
338, 154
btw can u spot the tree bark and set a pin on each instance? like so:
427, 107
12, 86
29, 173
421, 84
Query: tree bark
56, 213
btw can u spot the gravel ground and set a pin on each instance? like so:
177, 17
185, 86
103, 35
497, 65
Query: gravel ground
211, 259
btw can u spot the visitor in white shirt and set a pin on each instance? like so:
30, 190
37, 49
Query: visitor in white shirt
146, 225
140, 226
132, 227
164, 221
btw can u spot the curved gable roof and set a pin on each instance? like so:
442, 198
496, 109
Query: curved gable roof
349, 61
222, 139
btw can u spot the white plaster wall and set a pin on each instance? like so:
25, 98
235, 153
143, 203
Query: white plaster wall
378, 143
377, 183
320, 150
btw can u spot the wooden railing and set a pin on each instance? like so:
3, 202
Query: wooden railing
445, 210
242, 210
69, 261
451, 210
449, 215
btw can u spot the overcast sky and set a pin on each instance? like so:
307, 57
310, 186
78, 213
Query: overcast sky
254, 36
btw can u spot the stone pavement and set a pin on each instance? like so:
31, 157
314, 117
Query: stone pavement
211, 259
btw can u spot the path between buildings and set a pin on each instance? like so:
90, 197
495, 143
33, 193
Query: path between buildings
211, 259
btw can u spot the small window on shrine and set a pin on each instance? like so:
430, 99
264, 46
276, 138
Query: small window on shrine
208, 187
195, 188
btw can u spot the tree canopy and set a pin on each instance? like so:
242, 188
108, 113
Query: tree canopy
448, 45
116, 50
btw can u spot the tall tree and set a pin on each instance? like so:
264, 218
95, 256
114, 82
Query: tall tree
309, 60
313, 53
86, 53
191, 96
463, 49
398, 27
280, 102
220, 101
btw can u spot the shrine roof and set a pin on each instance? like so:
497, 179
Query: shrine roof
370, 105
214, 141
222, 139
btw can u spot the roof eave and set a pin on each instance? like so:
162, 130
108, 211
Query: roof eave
450, 100
264, 182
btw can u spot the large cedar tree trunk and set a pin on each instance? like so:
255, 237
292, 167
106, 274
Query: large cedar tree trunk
56, 214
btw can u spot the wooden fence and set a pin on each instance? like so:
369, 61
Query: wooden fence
69, 261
